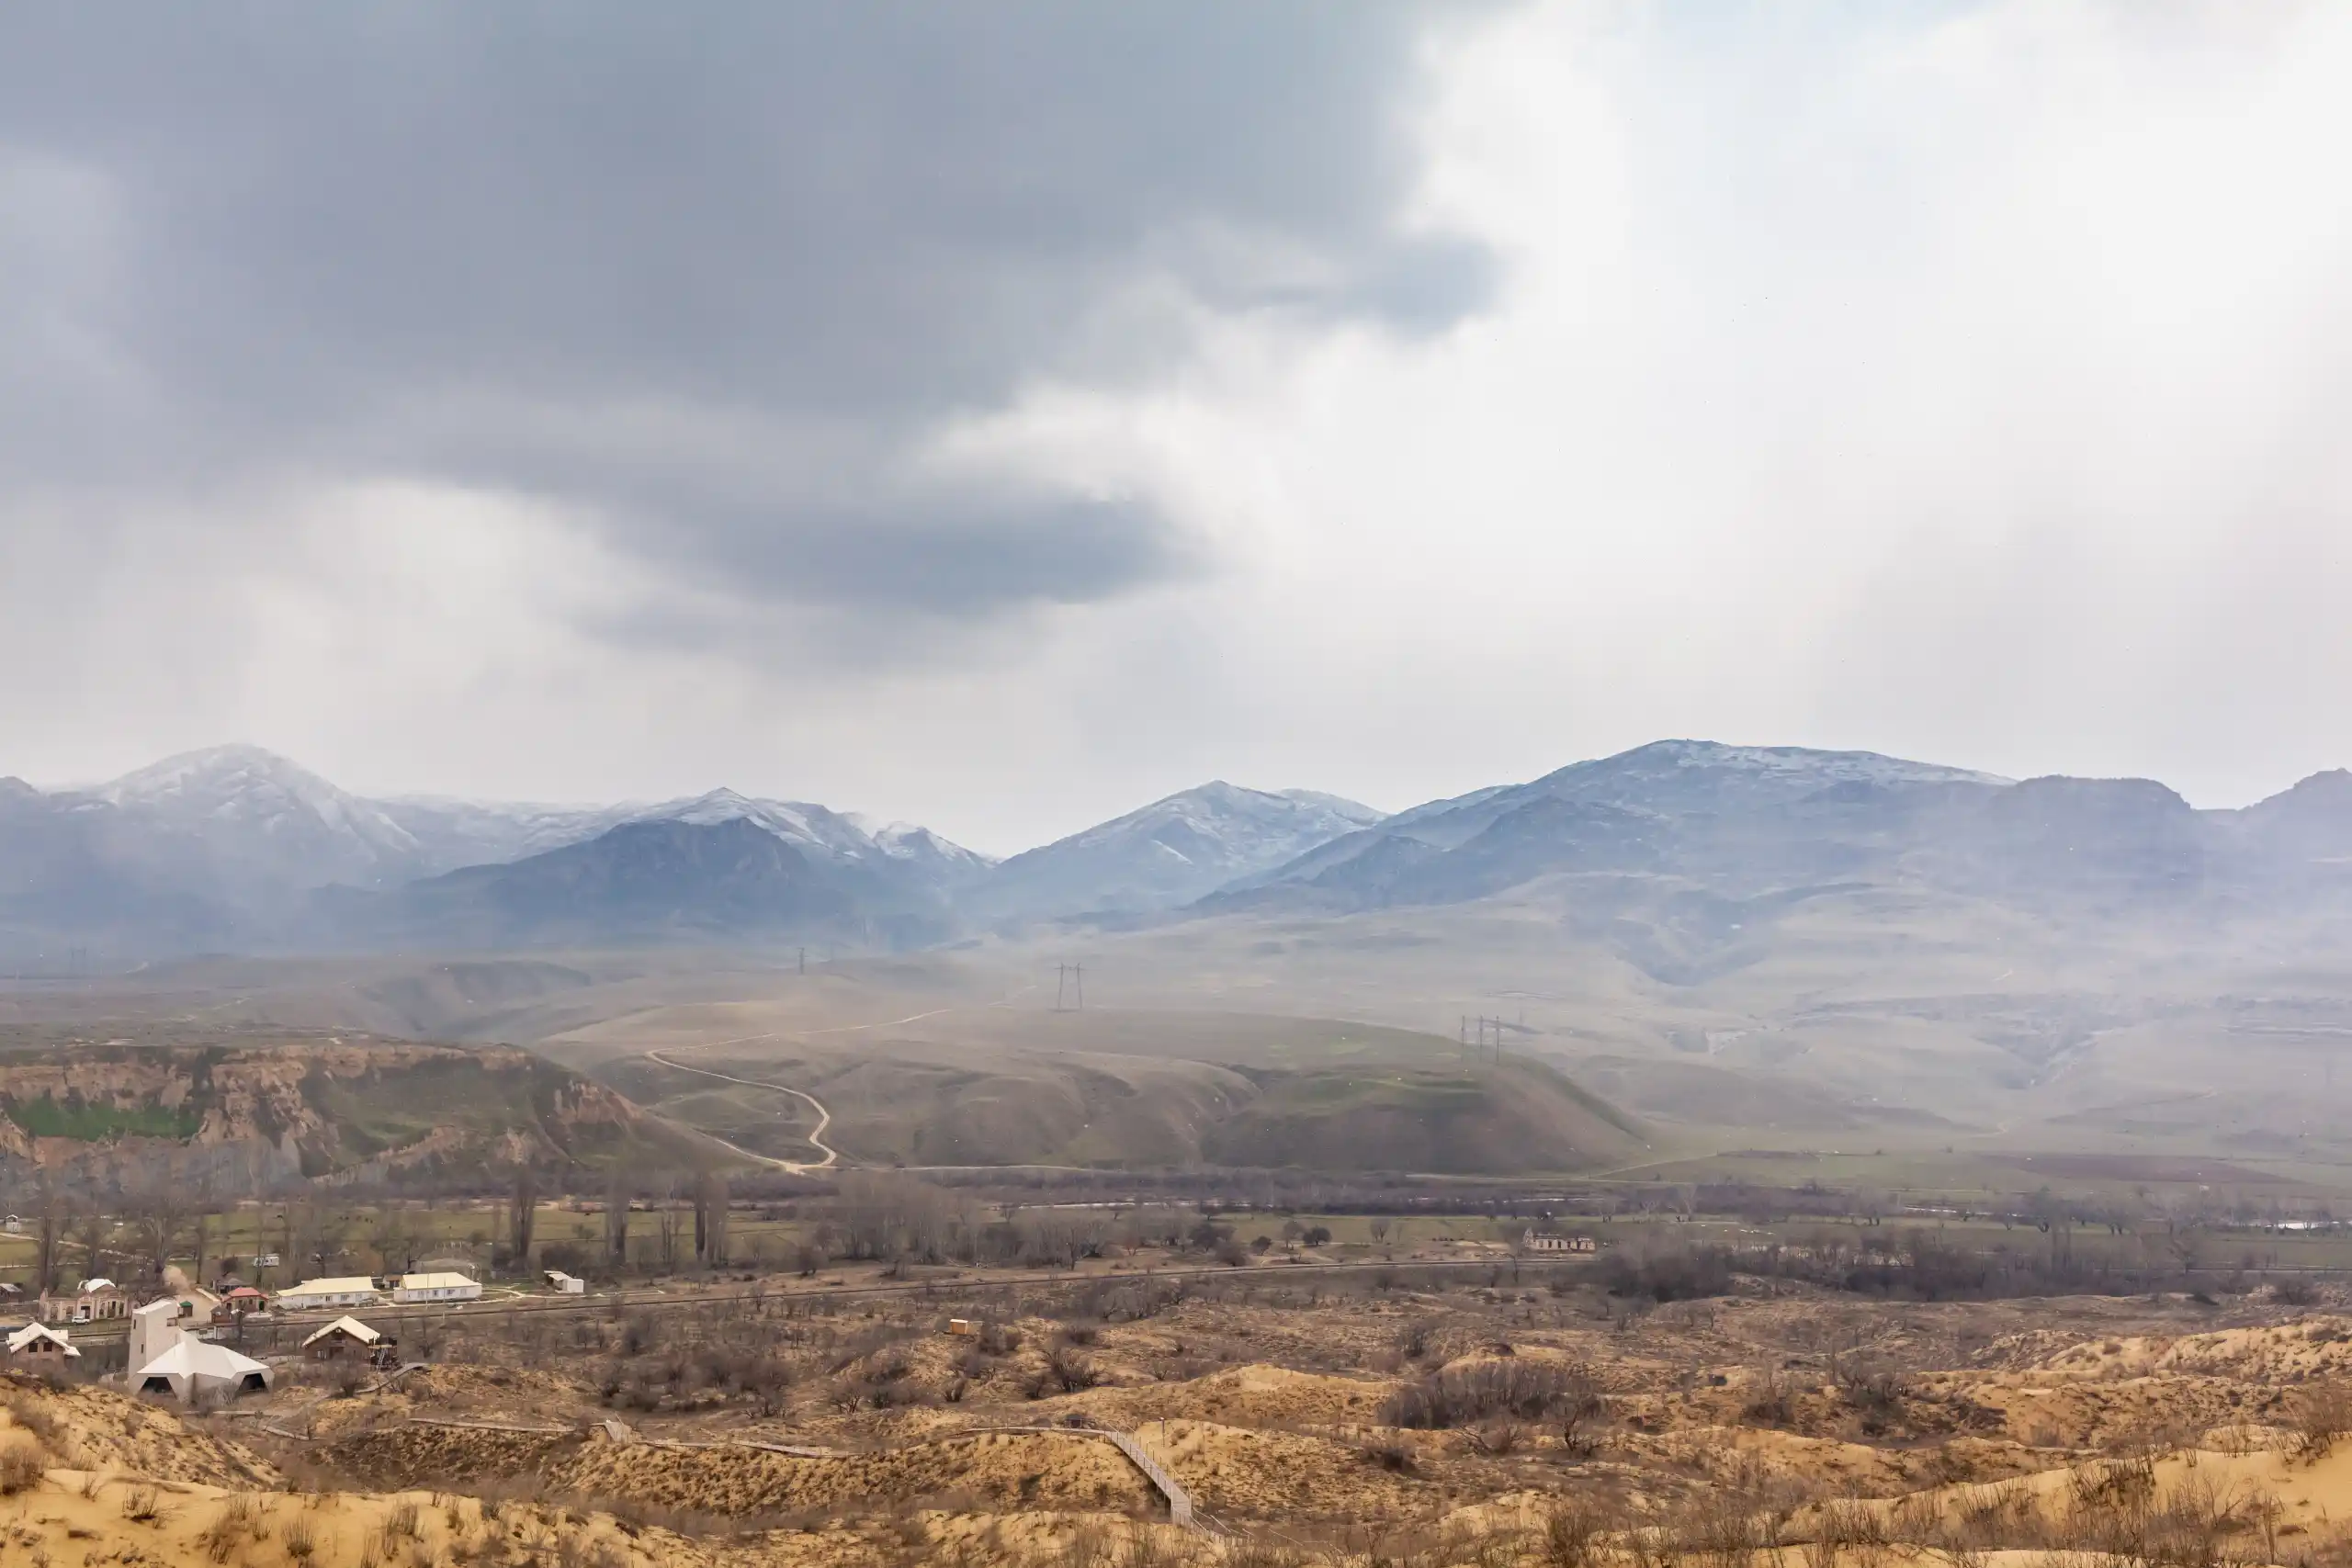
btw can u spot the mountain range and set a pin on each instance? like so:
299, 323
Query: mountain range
236, 848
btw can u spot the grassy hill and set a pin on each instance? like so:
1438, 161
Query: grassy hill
1516, 1115
1121, 1089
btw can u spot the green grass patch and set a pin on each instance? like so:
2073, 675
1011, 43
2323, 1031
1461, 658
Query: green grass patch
91, 1121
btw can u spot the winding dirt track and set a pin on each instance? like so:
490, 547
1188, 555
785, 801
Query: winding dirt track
816, 1137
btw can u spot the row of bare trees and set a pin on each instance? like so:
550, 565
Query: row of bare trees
141, 1237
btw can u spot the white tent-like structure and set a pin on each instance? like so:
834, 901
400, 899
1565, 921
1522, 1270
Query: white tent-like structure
195, 1368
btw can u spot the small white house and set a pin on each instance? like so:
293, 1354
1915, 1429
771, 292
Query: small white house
414, 1288
195, 1368
351, 1291
39, 1341
565, 1284
14, 1224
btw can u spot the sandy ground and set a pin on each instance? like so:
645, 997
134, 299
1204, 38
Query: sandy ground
1976, 1433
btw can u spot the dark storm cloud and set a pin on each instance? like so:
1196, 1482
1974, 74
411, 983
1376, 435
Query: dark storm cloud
711, 272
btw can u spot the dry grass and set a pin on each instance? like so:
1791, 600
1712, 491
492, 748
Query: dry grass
21, 1469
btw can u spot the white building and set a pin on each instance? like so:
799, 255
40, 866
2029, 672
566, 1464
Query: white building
35, 1339
356, 1289
1536, 1241
435, 1287
157, 1327
565, 1284
195, 1368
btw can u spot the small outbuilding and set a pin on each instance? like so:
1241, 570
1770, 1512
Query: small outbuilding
565, 1284
241, 1300
343, 1336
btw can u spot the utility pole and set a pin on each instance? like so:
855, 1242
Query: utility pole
803, 960
1078, 975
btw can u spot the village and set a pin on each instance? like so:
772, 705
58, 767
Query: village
183, 1341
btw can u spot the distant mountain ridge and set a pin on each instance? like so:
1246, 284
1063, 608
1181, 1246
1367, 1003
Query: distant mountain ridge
1742, 821
233, 847
655, 882
238, 849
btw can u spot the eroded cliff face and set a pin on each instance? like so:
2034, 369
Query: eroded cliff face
317, 1109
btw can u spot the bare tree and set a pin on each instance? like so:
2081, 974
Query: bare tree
296, 1222
523, 1214
199, 1240
666, 1222
395, 1238
616, 1218
53, 1215
91, 1230
156, 1216
710, 1219
330, 1230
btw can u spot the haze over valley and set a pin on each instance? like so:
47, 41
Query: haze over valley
1713, 946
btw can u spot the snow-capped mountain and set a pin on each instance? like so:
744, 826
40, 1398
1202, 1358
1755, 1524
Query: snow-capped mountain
1167, 854
947, 864
261, 821
224, 847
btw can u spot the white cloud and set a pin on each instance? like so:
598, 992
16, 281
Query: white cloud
1970, 388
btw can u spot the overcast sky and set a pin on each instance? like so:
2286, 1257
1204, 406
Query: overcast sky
998, 415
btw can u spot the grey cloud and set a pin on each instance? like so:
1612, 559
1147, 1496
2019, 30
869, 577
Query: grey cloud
451, 240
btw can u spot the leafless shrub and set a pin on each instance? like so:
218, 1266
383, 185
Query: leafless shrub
30, 1414
1846, 1528
229, 1527
20, 1468
1574, 1534
1769, 1402
2322, 1414
1718, 1531
1457, 1397
142, 1504
1498, 1434
1065, 1371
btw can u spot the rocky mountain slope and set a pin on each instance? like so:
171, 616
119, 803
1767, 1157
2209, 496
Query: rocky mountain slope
251, 1114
